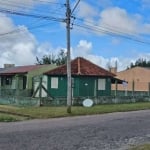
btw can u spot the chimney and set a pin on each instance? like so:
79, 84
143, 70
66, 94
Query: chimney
113, 70
9, 65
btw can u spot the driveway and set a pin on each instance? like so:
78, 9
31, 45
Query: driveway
116, 131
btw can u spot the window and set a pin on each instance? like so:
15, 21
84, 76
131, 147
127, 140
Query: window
13, 85
101, 84
54, 83
8, 80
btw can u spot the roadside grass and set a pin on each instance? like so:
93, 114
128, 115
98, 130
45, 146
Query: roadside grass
10, 118
141, 147
52, 112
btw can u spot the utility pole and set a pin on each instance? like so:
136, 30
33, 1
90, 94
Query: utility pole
69, 87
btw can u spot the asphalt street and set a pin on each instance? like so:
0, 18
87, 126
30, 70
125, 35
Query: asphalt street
116, 131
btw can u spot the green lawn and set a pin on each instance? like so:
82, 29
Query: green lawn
142, 147
51, 112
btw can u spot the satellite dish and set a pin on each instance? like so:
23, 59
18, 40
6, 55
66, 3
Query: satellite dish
87, 103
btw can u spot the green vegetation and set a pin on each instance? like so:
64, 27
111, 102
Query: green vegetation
142, 147
140, 62
60, 59
10, 118
51, 112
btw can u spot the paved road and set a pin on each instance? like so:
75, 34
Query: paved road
116, 131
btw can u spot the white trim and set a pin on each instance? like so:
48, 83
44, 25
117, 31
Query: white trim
54, 82
101, 84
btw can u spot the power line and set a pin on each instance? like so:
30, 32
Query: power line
88, 25
104, 31
32, 15
7, 5
34, 1
45, 1
109, 27
18, 30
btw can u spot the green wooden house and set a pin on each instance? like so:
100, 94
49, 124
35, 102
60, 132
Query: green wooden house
18, 80
88, 80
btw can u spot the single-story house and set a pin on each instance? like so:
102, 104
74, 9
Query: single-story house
18, 80
138, 80
88, 80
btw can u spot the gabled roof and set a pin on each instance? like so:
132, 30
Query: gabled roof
83, 67
19, 69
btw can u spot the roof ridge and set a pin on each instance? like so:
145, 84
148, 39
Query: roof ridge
79, 66
98, 66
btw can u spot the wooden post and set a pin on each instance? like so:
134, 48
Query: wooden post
149, 89
17, 85
133, 86
40, 90
116, 87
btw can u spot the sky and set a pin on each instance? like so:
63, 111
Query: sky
102, 31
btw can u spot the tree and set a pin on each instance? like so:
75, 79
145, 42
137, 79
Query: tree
140, 62
60, 59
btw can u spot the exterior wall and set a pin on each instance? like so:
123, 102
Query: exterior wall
107, 91
138, 79
82, 87
22, 84
17, 82
61, 91
12, 85
16, 87
37, 72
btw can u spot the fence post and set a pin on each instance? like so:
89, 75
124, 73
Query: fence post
149, 89
40, 91
133, 84
17, 86
0, 86
116, 87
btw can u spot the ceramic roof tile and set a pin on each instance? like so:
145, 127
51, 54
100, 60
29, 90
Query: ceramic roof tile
81, 66
19, 69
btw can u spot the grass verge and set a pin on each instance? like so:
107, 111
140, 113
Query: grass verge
142, 147
52, 112
10, 118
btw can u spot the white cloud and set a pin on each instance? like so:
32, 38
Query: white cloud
86, 11
118, 19
84, 49
114, 19
84, 46
18, 47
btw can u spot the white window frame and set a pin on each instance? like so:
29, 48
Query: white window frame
101, 84
54, 82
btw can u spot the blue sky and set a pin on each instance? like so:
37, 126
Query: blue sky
104, 31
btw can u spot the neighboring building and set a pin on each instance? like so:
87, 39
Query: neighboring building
138, 79
88, 80
19, 80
